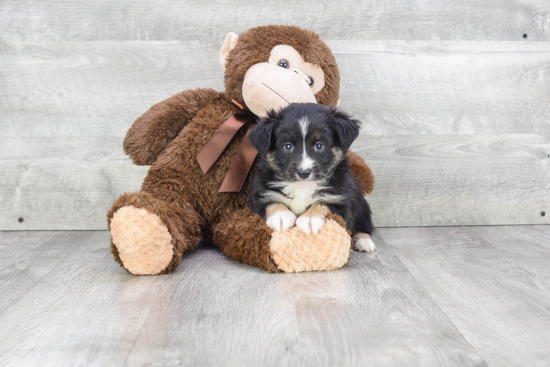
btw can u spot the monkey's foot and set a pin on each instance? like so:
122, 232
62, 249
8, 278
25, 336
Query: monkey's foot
143, 241
294, 251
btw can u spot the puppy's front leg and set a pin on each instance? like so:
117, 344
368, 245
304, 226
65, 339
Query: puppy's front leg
363, 242
313, 219
279, 217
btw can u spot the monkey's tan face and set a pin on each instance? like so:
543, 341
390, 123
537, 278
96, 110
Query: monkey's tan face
286, 78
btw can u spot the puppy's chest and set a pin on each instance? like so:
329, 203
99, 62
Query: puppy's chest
300, 195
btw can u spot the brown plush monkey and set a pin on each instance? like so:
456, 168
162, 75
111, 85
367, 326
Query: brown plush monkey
266, 67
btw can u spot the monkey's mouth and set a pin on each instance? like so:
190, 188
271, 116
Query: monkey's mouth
274, 91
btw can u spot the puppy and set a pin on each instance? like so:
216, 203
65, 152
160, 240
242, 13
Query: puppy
303, 171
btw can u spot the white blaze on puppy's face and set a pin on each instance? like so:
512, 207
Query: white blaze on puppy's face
304, 123
306, 162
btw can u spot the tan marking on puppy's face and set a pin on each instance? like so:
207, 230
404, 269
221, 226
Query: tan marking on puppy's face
274, 208
338, 157
270, 159
338, 154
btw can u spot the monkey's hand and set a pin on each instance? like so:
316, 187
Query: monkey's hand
151, 132
362, 171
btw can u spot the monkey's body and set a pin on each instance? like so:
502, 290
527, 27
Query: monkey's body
178, 170
179, 205
184, 198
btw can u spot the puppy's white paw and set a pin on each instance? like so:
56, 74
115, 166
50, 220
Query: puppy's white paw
281, 220
310, 224
365, 244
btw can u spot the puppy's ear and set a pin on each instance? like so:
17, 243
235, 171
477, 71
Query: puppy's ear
346, 128
260, 136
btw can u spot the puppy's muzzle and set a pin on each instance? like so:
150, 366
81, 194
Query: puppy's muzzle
304, 173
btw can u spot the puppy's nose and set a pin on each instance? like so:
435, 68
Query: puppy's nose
304, 173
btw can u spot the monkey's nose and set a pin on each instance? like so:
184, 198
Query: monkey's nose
299, 72
304, 173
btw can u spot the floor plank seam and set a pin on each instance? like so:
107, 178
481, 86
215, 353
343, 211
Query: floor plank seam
142, 325
433, 300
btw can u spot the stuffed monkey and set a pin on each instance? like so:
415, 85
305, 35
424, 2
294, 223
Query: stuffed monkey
183, 202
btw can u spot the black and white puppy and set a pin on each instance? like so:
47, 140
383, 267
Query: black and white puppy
303, 171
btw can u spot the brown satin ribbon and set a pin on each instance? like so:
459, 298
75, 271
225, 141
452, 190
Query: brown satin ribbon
238, 170
240, 166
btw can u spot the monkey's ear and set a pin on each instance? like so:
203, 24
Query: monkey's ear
228, 45
346, 128
260, 136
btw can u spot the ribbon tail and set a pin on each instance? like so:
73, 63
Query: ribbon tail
240, 166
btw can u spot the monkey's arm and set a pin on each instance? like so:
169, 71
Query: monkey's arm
362, 171
151, 132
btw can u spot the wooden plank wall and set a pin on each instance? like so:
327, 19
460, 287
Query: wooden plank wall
455, 96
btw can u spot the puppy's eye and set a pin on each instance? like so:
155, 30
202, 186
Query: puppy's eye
283, 63
289, 147
310, 81
319, 146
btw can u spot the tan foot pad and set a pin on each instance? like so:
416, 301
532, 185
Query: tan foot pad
144, 243
294, 251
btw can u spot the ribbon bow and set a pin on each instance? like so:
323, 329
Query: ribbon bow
240, 166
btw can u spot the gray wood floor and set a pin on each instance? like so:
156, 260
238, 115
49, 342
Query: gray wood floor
456, 296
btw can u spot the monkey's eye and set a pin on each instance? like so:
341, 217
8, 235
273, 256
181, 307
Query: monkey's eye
289, 147
319, 146
283, 63
310, 81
